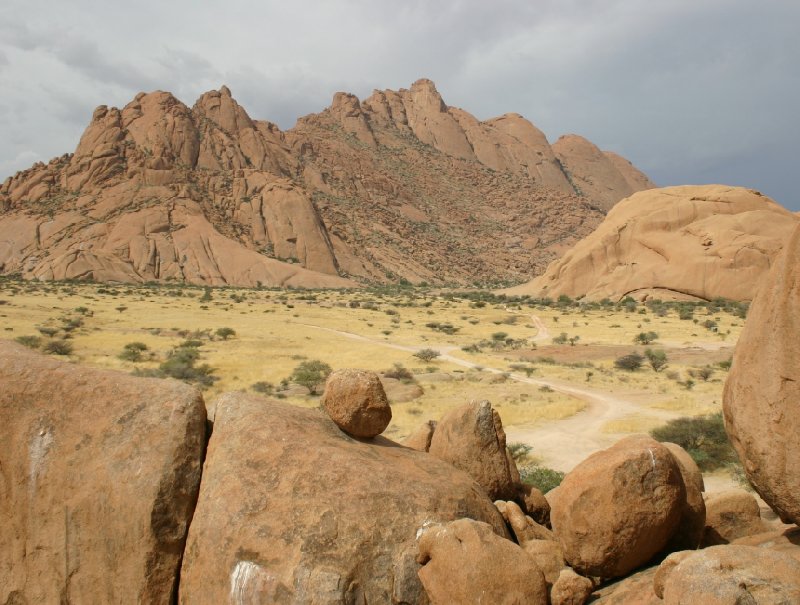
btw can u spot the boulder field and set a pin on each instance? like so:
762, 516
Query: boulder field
120, 489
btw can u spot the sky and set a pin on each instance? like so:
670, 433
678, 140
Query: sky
691, 91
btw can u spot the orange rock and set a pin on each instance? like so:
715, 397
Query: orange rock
570, 589
356, 402
420, 439
730, 515
692, 525
761, 399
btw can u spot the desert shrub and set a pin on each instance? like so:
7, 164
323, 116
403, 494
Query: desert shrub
263, 387
181, 364
656, 358
561, 339
725, 364
399, 372
427, 354
33, 342
519, 451
645, 338
704, 437
311, 374
500, 336
58, 347
47, 330
542, 478
133, 351
225, 333
630, 362
705, 373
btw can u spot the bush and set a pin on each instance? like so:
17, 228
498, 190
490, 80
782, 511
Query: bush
704, 437
311, 374
519, 451
645, 338
263, 387
133, 351
630, 362
399, 372
181, 364
33, 342
542, 478
58, 347
657, 359
225, 333
427, 355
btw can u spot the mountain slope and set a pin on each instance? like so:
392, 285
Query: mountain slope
399, 186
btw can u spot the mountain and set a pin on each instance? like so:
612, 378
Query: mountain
399, 186
684, 243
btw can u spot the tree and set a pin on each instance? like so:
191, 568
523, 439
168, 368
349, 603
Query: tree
657, 359
133, 351
226, 333
311, 374
427, 355
645, 338
630, 362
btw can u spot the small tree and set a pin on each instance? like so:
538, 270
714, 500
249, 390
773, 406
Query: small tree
58, 347
133, 351
630, 362
225, 333
705, 373
311, 374
427, 355
645, 338
657, 359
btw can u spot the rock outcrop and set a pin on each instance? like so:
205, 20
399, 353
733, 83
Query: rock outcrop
472, 439
99, 473
761, 399
690, 242
399, 186
291, 509
619, 507
466, 562
356, 402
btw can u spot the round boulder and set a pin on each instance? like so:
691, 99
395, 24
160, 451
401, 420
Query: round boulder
356, 402
619, 507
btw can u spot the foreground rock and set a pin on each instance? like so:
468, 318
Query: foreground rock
292, 510
733, 574
420, 439
471, 438
619, 507
689, 533
761, 400
467, 562
690, 242
99, 476
730, 515
356, 402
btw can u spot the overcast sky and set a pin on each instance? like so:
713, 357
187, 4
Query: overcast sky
691, 91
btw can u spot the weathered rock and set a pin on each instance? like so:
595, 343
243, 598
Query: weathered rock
785, 540
729, 515
733, 574
471, 438
536, 505
420, 439
99, 473
674, 243
619, 507
356, 402
570, 589
761, 399
548, 556
691, 527
636, 589
293, 510
666, 567
466, 562
523, 527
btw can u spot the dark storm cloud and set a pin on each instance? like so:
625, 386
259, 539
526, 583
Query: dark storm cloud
689, 91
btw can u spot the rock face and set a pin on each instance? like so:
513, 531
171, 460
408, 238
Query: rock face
730, 515
761, 399
619, 507
397, 186
471, 438
292, 510
731, 574
466, 562
99, 476
356, 402
692, 242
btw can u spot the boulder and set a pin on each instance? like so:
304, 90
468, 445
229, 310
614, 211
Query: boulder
761, 399
548, 556
785, 540
619, 507
536, 505
729, 515
523, 527
666, 567
467, 562
293, 510
636, 589
733, 574
99, 473
689, 532
356, 402
570, 589
420, 439
471, 438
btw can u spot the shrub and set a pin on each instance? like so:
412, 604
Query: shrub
519, 451
645, 338
705, 373
630, 362
704, 437
263, 387
33, 342
542, 478
399, 372
561, 339
225, 333
181, 364
311, 374
657, 359
133, 351
427, 355
47, 331
58, 347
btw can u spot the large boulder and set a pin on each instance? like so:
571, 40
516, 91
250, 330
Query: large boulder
761, 399
636, 589
467, 562
691, 527
619, 507
293, 510
471, 438
99, 473
356, 402
734, 574
730, 515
